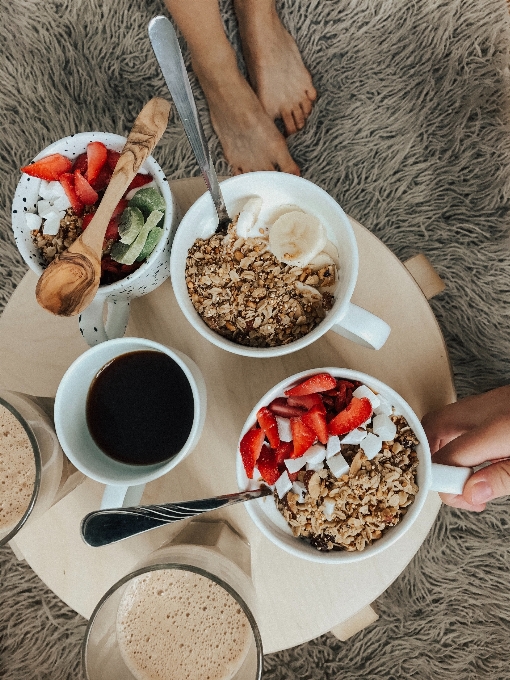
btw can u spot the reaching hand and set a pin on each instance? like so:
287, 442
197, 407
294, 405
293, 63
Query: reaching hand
468, 433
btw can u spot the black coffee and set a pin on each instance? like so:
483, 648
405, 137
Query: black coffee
140, 408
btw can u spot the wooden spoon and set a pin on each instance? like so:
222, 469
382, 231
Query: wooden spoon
68, 285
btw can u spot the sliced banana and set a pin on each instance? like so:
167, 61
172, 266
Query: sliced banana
296, 238
281, 210
246, 226
321, 260
332, 251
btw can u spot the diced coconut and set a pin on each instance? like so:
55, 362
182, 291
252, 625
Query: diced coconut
314, 456
355, 436
371, 445
283, 484
315, 467
338, 465
50, 190
284, 430
300, 489
333, 446
246, 226
384, 408
384, 427
33, 221
51, 224
328, 508
295, 464
44, 208
364, 391
62, 203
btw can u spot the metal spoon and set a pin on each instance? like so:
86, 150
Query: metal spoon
168, 53
103, 527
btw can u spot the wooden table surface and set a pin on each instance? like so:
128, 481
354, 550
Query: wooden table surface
298, 600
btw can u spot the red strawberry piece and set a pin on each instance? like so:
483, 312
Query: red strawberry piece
121, 206
351, 417
307, 401
139, 180
112, 158
267, 422
344, 395
315, 418
87, 219
283, 452
49, 168
267, 465
112, 230
96, 158
80, 163
317, 383
302, 435
250, 447
280, 407
293, 475
103, 179
84, 191
67, 181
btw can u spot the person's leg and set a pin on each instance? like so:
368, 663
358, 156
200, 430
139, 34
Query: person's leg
249, 137
276, 70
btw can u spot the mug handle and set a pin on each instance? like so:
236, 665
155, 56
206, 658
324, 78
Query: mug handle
91, 323
121, 496
449, 478
362, 327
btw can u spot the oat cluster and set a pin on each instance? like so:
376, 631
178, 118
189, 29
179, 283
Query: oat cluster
245, 294
53, 246
372, 497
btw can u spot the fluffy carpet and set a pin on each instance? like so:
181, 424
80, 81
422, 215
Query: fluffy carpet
411, 135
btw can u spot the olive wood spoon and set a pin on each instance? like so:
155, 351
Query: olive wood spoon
68, 285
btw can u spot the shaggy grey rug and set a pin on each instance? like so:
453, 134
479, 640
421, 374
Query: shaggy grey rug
411, 135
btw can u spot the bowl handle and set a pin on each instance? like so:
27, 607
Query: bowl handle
93, 327
449, 478
362, 327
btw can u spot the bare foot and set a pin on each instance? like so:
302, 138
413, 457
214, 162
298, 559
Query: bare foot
277, 73
250, 139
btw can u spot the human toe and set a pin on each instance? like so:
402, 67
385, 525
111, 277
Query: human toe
289, 123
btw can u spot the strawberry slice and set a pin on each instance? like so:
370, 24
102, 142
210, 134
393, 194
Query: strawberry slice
283, 452
49, 168
351, 417
84, 191
112, 158
80, 163
139, 180
302, 435
293, 475
250, 447
267, 465
315, 418
307, 401
87, 219
280, 407
103, 179
317, 383
96, 158
267, 422
67, 181
112, 230
119, 209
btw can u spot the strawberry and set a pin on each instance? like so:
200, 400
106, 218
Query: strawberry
283, 452
112, 158
293, 475
139, 180
302, 436
307, 401
351, 417
103, 179
315, 418
267, 422
87, 219
317, 383
119, 209
67, 181
250, 447
280, 407
49, 168
112, 230
80, 163
267, 465
84, 191
96, 158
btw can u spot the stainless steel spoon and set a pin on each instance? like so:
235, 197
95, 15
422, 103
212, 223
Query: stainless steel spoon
168, 53
103, 527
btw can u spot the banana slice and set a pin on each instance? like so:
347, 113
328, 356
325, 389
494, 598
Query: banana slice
321, 260
246, 226
296, 238
281, 210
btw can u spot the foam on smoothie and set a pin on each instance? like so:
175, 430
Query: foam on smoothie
178, 625
17, 470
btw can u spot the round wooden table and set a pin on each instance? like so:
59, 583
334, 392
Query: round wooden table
298, 600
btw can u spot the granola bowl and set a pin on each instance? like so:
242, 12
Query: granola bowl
352, 505
245, 299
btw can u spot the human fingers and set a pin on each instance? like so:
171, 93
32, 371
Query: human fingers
299, 117
460, 502
492, 481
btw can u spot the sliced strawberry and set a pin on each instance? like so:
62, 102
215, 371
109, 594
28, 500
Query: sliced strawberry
49, 168
84, 191
112, 158
351, 417
80, 163
317, 383
139, 180
267, 465
112, 230
103, 179
283, 452
302, 435
250, 447
307, 401
267, 422
96, 158
280, 407
119, 209
87, 219
67, 181
315, 418
293, 475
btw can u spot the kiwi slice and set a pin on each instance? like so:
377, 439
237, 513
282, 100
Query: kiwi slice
147, 200
152, 239
130, 224
135, 249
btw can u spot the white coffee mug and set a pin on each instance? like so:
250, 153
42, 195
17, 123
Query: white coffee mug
146, 278
430, 477
124, 483
278, 189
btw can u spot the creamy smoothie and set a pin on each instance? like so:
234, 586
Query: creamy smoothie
174, 624
17, 471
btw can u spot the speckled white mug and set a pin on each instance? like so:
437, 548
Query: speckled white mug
116, 295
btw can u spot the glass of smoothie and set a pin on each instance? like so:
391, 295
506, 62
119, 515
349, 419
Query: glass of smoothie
185, 613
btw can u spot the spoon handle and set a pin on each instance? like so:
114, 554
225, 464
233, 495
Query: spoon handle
168, 53
111, 525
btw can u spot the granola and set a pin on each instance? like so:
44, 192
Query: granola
51, 246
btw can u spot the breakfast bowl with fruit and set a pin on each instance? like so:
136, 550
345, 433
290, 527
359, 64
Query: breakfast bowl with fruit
54, 202
348, 462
